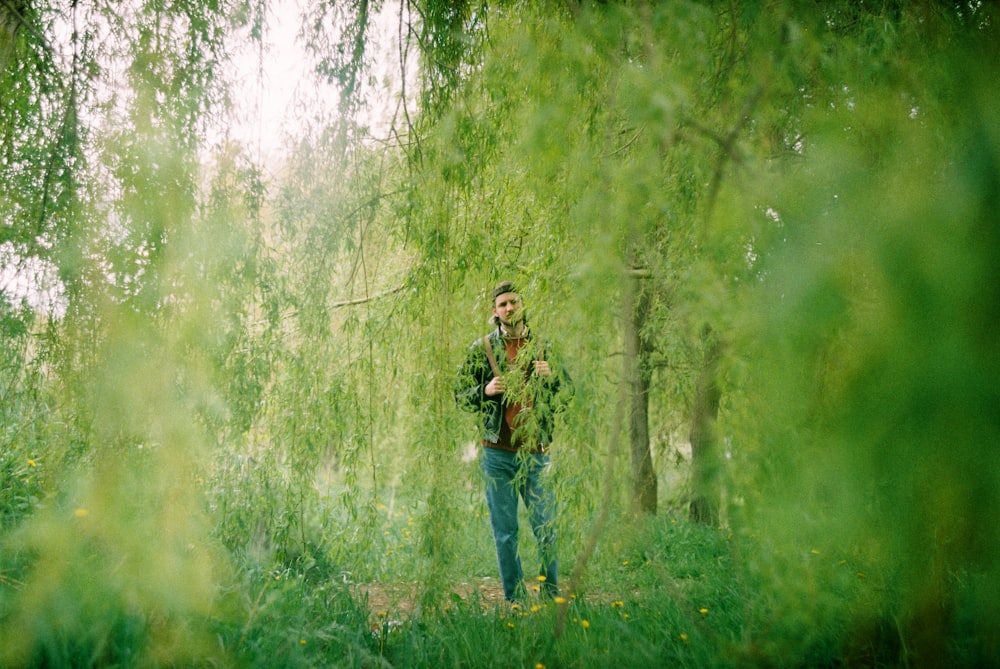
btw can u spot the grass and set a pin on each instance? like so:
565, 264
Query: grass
666, 593
659, 592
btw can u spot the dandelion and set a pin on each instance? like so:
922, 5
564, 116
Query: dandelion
585, 624
541, 578
559, 599
617, 604
539, 665
684, 637
302, 642
32, 463
510, 625
81, 513
626, 616
703, 611
624, 563
536, 608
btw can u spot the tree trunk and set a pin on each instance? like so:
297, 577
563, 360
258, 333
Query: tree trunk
705, 495
644, 488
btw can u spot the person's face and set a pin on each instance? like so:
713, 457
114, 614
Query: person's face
507, 307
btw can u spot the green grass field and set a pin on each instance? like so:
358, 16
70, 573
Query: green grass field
657, 592
667, 593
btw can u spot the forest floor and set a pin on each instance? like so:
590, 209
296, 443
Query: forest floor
396, 602
400, 600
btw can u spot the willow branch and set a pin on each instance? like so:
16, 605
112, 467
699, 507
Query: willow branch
367, 298
602, 518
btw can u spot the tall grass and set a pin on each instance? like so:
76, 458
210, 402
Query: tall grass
661, 592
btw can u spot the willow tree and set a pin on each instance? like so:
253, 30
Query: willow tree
104, 108
590, 140
583, 170
866, 358
44, 84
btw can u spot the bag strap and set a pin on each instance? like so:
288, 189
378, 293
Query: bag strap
489, 354
493, 360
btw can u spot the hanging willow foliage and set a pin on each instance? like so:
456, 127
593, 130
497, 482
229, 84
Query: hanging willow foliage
240, 418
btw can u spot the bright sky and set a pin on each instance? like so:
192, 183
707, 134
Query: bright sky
266, 82
276, 90
274, 94
32, 280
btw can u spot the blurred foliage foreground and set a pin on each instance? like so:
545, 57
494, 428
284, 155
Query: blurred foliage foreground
861, 478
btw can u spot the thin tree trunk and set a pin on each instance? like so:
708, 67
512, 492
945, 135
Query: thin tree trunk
705, 494
644, 486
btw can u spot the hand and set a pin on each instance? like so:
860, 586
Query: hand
496, 386
542, 368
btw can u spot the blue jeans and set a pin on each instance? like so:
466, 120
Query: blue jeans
508, 477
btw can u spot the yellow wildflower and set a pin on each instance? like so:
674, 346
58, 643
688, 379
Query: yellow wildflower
585, 624
703, 611
32, 463
559, 599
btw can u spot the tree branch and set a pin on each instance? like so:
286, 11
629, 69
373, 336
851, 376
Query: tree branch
628, 143
368, 298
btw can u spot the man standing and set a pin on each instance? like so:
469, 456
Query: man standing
510, 379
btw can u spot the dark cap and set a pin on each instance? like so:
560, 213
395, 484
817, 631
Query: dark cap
504, 287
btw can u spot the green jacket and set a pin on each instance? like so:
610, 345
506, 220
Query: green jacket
546, 397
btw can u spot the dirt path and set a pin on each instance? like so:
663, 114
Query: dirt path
398, 600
